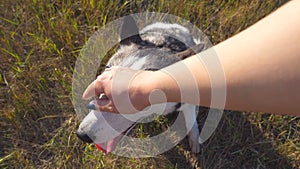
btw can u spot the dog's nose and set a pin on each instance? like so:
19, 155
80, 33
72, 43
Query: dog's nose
84, 137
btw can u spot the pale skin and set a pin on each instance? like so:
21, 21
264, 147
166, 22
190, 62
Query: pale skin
261, 66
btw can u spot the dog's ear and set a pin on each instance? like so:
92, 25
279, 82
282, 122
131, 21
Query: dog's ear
129, 32
190, 51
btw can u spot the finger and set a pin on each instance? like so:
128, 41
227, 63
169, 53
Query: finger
102, 101
107, 108
92, 105
97, 102
89, 91
104, 105
94, 89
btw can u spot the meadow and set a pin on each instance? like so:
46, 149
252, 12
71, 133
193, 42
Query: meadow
39, 44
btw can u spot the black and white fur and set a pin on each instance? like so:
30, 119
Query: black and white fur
154, 47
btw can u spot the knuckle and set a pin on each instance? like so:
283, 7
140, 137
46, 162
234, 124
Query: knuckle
102, 108
97, 83
101, 77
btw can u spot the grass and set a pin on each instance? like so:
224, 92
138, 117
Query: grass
39, 44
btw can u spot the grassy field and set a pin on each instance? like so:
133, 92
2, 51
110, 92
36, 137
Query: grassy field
39, 44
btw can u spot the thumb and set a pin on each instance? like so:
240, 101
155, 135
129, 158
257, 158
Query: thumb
94, 89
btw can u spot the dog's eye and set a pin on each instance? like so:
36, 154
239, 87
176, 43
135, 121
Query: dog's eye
151, 69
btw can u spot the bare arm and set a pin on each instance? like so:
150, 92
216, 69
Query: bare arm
261, 67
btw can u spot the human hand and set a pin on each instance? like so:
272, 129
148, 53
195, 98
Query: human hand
119, 90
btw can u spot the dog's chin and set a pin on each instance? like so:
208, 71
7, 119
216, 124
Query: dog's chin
110, 145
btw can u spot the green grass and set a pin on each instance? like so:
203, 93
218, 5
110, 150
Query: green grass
39, 44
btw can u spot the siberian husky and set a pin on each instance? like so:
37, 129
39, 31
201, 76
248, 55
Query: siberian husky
152, 48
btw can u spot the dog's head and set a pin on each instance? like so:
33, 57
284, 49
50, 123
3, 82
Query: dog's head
154, 47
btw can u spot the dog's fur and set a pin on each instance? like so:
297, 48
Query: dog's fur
154, 47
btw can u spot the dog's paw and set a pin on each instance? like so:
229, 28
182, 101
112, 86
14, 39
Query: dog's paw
195, 146
193, 141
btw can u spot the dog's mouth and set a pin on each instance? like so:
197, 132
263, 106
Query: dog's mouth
105, 129
109, 146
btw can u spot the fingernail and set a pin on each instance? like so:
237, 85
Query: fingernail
103, 96
91, 106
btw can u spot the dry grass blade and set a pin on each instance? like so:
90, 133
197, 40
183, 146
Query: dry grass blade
39, 44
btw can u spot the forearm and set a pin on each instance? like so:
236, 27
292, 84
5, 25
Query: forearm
261, 67
262, 71
262, 64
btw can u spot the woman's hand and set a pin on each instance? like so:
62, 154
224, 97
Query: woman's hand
120, 90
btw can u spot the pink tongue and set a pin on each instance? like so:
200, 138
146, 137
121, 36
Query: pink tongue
109, 146
100, 148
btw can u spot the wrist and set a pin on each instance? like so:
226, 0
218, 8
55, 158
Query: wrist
154, 87
141, 87
162, 87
